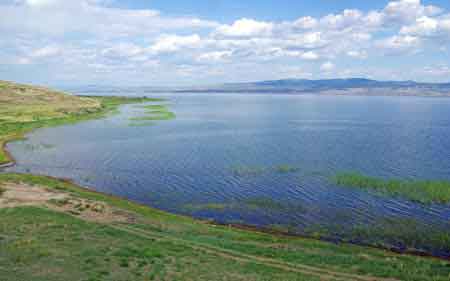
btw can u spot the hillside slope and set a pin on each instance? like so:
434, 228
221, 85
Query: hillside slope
25, 107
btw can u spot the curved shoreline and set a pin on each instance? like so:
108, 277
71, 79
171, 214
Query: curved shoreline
10, 161
247, 227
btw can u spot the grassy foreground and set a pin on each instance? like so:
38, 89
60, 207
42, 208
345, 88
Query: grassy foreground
24, 108
419, 191
39, 243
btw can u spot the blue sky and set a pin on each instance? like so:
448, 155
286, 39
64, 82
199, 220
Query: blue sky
163, 42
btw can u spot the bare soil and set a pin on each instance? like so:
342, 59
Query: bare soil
17, 195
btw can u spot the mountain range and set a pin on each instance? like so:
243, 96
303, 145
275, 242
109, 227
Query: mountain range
350, 86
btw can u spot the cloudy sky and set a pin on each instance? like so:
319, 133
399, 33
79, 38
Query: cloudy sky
164, 42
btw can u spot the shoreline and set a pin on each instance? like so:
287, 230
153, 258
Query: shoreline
246, 227
10, 161
240, 227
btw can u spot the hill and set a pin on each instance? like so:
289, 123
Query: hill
351, 86
25, 107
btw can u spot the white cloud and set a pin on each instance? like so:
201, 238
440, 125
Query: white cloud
423, 26
47, 51
400, 44
246, 27
122, 50
74, 34
405, 11
310, 56
172, 43
327, 66
89, 18
40, 3
440, 70
305, 23
357, 54
215, 56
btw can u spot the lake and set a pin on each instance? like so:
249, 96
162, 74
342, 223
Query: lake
266, 161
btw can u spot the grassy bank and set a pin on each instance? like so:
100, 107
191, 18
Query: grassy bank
24, 108
419, 191
39, 243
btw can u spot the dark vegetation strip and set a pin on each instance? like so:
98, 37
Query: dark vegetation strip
426, 191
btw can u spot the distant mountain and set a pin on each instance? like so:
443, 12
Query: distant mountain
350, 86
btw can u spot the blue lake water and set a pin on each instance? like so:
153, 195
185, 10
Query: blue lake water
220, 159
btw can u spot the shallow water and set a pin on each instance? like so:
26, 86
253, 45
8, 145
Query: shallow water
220, 159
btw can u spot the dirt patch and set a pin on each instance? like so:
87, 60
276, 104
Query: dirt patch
16, 195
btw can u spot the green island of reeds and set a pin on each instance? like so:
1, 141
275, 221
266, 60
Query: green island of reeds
423, 191
155, 112
259, 170
90, 236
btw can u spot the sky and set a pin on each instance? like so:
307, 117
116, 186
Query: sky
181, 43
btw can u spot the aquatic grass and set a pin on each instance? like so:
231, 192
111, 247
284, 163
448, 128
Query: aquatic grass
155, 112
264, 203
154, 107
155, 116
141, 124
248, 170
425, 192
204, 207
284, 169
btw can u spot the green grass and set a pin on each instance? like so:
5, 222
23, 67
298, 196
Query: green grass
286, 169
154, 112
248, 170
163, 246
419, 191
256, 170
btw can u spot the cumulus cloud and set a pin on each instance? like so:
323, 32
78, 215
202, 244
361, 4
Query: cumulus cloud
47, 51
172, 43
399, 44
246, 27
215, 56
327, 66
99, 35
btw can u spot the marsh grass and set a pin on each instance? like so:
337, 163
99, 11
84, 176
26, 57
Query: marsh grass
207, 206
2, 190
154, 112
256, 170
284, 169
425, 192
264, 203
248, 170
141, 124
